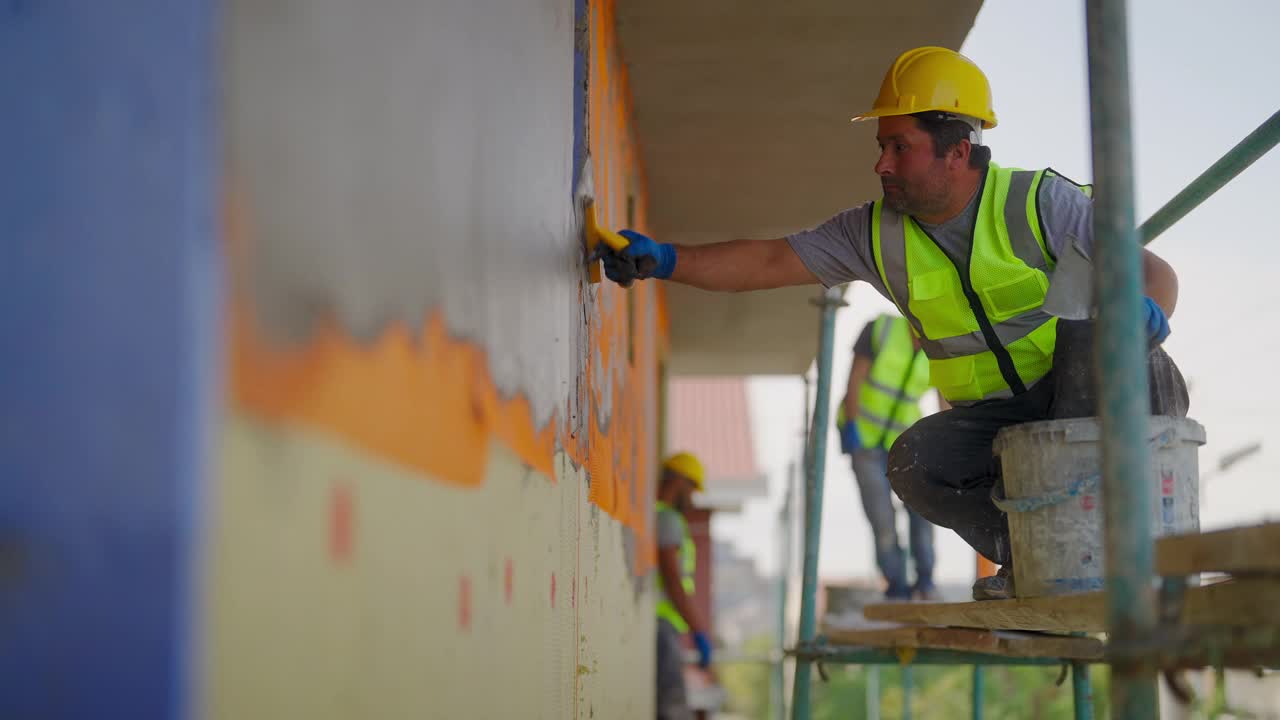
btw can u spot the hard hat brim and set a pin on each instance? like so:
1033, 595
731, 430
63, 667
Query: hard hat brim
987, 123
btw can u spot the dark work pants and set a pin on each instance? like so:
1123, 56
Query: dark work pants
943, 467
673, 697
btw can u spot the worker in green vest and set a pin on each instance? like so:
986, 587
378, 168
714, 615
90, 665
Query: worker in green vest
889, 376
966, 250
682, 475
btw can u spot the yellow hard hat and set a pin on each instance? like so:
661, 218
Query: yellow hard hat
934, 78
688, 465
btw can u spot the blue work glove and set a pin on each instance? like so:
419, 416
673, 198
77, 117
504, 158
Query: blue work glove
704, 649
1157, 321
849, 438
642, 259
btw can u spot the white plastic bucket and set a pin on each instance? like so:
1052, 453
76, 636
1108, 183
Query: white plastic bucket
1053, 496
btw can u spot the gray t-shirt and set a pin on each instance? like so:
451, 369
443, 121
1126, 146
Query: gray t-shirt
670, 529
839, 250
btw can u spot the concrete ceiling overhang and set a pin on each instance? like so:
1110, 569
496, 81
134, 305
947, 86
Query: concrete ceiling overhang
742, 112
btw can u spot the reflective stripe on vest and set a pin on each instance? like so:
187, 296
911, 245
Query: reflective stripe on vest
688, 564
888, 400
981, 325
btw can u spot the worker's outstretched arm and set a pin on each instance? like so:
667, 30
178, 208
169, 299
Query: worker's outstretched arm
669, 567
733, 266
739, 265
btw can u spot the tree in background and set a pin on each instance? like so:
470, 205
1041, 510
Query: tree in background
747, 683
944, 693
939, 692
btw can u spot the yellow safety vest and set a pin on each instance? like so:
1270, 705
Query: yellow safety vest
889, 399
981, 325
688, 564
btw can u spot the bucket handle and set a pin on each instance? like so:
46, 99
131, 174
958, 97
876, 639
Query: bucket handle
1084, 485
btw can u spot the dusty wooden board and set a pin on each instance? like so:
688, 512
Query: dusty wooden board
1239, 647
1237, 603
1253, 549
1006, 643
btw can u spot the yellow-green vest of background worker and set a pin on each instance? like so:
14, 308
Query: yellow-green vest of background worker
682, 476
887, 379
966, 250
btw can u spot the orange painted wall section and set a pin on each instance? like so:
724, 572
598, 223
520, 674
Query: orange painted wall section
425, 399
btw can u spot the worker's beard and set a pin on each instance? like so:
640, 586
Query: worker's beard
926, 197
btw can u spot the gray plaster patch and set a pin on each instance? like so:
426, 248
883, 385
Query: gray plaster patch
398, 158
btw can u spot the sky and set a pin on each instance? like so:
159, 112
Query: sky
1202, 76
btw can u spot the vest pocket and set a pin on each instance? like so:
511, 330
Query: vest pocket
1012, 297
1045, 337
1033, 354
956, 378
938, 301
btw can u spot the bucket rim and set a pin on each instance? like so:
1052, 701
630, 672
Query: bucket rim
1089, 429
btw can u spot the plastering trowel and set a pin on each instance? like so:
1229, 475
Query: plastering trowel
592, 232
1070, 294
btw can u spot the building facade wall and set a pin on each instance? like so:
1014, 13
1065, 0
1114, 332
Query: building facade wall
433, 495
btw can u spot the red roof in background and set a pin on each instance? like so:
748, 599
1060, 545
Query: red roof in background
708, 416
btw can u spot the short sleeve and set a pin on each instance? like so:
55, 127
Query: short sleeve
863, 344
1066, 214
670, 530
839, 250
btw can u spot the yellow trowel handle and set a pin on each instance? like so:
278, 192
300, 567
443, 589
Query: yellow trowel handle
597, 234
594, 236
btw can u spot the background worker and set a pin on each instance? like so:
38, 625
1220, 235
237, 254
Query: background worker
888, 378
682, 475
965, 249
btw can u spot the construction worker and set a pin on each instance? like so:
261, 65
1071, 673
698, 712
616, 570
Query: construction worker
965, 250
682, 475
888, 377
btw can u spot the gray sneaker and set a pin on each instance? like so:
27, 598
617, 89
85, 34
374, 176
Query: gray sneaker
996, 587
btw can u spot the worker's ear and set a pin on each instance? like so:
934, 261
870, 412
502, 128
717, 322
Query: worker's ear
958, 155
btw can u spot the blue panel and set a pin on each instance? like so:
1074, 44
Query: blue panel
109, 276
581, 48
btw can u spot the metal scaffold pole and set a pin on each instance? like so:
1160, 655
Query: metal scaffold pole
979, 690
1237, 160
778, 680
1121, 365
1081, 691
814, 471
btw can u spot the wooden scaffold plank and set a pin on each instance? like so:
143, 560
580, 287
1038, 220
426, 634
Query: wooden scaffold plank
1237, 603
1004, 643
1242, 550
